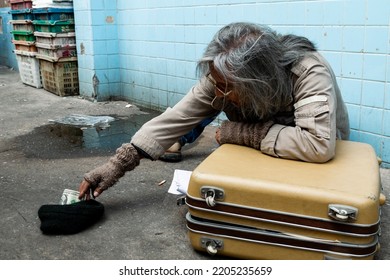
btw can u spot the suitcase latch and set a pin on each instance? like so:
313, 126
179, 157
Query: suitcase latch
181, 200
212, 194
211, 245
342, 213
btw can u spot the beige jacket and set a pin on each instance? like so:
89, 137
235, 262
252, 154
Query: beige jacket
306, 130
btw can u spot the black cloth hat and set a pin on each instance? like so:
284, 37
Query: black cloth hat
70, 218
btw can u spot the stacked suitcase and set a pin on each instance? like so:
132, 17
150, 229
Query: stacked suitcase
56, 48
248, 205
25, 42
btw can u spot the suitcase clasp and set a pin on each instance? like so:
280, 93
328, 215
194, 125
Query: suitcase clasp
211, 245
211, 194
181, 200
342, 213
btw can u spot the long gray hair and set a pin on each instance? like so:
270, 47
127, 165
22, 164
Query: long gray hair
256, 61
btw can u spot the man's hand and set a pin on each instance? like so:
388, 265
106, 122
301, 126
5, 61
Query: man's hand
105, 176
244, 134
86, 190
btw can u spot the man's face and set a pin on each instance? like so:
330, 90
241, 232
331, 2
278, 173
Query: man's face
222, 88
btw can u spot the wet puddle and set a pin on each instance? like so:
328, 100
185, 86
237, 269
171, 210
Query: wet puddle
98, 132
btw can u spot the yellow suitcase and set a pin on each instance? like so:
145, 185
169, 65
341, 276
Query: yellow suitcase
248, 205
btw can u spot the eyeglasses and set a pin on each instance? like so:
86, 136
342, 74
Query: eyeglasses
221, 91
224, 91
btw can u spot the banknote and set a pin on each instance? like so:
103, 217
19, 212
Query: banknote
69, 197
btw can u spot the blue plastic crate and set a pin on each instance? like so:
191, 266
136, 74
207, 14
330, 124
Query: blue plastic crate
22, 14
53, 13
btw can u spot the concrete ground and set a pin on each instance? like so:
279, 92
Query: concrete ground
141, 221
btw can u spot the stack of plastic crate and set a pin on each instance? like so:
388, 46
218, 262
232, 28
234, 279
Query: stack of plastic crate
24, 41
56, 48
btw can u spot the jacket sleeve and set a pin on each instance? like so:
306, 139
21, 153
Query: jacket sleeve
158, 134
313, 138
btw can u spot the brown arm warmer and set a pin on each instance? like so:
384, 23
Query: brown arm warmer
105, 176
245, 134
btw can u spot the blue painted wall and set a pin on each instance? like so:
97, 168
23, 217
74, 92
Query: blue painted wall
146, 51
7, 57
98, 51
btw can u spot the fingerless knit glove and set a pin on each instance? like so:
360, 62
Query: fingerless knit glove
244, 134
105, 176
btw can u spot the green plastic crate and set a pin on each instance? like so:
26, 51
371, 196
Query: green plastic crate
54, 26
21, 35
